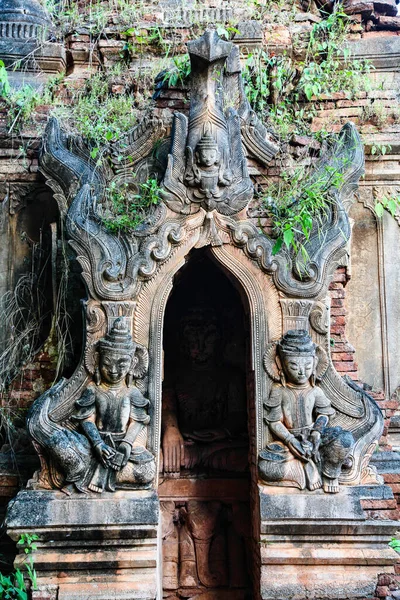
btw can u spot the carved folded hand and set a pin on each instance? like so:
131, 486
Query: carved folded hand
104, 454
315, 439
126, 450
296, 448
173, 450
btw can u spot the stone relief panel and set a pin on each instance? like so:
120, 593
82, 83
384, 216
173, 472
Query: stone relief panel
391, 238
99, 442
107, 416
206, 546
374, 292
363, 297
306, 451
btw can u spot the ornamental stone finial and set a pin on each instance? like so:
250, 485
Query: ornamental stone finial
27, 42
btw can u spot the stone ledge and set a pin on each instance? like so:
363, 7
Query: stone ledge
327, 555
386, 462
383, 52
315, 545
122, 558
124, 590
97, 546
52, 510
279, 503
331, 583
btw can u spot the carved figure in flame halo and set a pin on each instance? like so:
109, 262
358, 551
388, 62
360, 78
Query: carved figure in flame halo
206, 170
306, 451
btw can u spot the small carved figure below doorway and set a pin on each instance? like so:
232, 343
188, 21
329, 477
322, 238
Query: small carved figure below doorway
205, 549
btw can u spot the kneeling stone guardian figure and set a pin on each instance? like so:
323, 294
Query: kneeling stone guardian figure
306, 451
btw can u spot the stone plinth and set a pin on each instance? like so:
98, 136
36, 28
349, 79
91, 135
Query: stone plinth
90, 546
25, 46
37, 66
315, 545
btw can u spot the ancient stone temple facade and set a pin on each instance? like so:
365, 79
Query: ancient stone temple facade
205, 447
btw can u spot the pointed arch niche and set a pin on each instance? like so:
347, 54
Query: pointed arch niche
265, 321
206, 512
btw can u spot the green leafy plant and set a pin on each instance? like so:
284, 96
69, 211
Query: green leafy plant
23, 102
4, 83
379, 149
329, 67
179, 72
96, 113
303, 203
140, 39
14, 586
257, 80
389, 203
27, 540
125, 211
94, 15
226, 31
395, 544
280, 89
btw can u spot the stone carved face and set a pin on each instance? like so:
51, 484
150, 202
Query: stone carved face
296, 357
298, 369
114, 366
200, 341
207, 156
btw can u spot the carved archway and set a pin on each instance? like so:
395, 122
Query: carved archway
265, 320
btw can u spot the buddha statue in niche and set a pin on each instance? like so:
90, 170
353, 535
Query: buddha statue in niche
108, 449
307, 452
204, 418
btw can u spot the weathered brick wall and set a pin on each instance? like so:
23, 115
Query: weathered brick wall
86, 53
343, 353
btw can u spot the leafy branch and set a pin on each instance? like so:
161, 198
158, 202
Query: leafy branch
125, 211
389, 203
303, 204
14, 585
279, 88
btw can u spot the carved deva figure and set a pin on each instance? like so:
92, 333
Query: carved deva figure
206, 171
307, 452
108, 450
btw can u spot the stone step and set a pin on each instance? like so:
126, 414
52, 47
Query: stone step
87, 560
386, 462
328, 555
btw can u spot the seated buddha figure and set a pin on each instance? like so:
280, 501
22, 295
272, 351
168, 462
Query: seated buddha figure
307, 452
204, 416
109, 445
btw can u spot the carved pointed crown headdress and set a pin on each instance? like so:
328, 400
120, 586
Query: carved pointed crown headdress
118, 339
295, 343
207, 140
